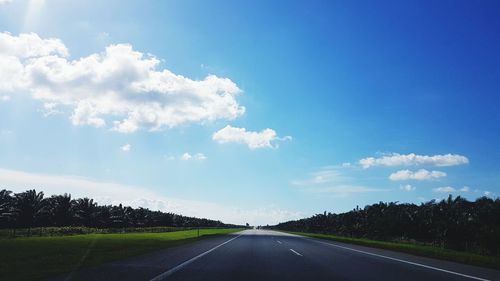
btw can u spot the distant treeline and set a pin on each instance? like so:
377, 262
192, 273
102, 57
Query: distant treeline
454, 223
30, 209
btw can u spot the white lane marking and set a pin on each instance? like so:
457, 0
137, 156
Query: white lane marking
403, 261
279, 241
180, 266
295, 252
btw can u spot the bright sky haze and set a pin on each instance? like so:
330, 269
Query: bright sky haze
250, 111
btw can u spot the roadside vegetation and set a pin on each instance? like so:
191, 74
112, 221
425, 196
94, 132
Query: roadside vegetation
42, 236
74, 230
33, 258
454, 229
21, 212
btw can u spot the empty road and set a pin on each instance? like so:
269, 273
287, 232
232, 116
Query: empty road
270, 255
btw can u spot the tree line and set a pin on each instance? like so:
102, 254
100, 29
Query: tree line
31, 209
453, 223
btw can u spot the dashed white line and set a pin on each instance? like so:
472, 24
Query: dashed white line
279, 241
174, 269
295, 252
403, 261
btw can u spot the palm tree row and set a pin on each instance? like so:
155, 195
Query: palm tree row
454, 223
31, 209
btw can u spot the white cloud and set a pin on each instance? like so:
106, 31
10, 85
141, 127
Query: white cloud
4, 98
444, 189
420, 175
30, 45
407, 187
465, 189
449, 189
49, 109
198, 156
3, 2
332, 180
324, 175
254, 140
345, 190
186, 156
120, 87
126, 147
114, 193
412, 159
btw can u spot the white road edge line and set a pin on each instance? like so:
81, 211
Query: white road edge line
295, 252
176, 268
279, 241
403, 261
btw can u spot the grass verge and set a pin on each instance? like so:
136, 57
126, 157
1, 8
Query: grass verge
33, 258
415, 249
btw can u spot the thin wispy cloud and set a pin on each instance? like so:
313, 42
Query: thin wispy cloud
449, 189
345, 190
334, 180
328, 174
407, 187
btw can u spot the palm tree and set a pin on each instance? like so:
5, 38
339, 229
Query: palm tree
61, 209
28, 206
5, 207
85, 211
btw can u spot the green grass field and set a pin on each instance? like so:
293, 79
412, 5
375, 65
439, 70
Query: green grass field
32, 258
419, 250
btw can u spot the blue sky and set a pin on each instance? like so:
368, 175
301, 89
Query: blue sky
252, 112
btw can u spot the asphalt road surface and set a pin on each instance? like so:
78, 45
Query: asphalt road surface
260, 255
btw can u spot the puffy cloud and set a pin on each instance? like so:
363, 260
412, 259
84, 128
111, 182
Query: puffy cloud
30, 45
253, 140
3, 2
120, 87
413, 159
4, 98
134, 196
186, 156
198, 156
126, 147
421, 174
407, 187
